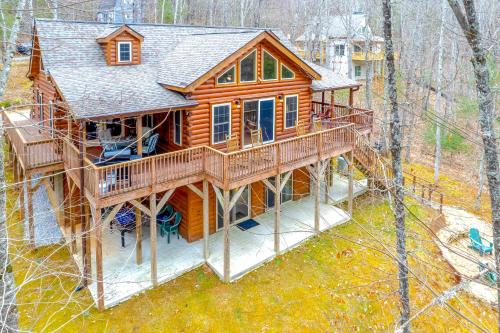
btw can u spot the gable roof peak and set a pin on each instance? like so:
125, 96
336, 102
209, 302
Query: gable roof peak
116, 29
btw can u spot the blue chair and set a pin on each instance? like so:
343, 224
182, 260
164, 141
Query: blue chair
477, 242
150, 145
163, 216
125, 219
170, 227
489, 276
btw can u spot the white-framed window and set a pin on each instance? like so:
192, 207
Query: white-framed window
51, 118
269, 66
124, 51
248, 67
291, 110
340, 50
177, 128
357, 71
40, 105
286, 73
221, 122
228, 76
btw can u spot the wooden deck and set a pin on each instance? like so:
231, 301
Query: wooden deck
109, 185
36, 150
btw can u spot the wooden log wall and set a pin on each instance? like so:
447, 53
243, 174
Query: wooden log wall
199, 126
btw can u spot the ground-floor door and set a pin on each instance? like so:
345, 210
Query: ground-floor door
240, 211
286, 194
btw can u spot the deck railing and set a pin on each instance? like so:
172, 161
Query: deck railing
31, 153
227, 170
362, 118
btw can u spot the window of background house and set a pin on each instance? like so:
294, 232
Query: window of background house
286, 73
269, 66
291, 110
357, 48
221, 122
340, 50
228, 76
177, 135
124, 51
357, 70
247, 68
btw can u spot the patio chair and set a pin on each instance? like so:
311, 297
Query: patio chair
170, 227
300, 126
477, 243
125, 222
163, 216
318, 125
150, 147
232, 143
489, 276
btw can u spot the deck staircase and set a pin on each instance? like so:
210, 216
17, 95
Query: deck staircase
378, 170
375, 167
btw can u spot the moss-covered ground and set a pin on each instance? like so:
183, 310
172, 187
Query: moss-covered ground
344, 280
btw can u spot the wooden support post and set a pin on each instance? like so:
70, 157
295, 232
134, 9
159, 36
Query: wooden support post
31, 220
22, 203
153, 236
138, 131
350, 194
351, 98
277, 213
98, 258
225, 205
323, 102
72, 221
83, 219
317, 171
332, 102
59, 194
205, 220
88, 241
327, 181
122, 127
84, 138
138, 236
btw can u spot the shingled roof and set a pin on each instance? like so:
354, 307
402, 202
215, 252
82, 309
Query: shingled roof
171, 55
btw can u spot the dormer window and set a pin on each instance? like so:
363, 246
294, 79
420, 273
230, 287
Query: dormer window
124, 51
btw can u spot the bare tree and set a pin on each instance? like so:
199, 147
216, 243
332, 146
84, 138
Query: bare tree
396, 138
468, 21
437, 107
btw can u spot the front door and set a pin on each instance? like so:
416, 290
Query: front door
240, 211
286, 193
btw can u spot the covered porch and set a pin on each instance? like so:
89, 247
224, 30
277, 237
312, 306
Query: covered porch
127, 270
253, 247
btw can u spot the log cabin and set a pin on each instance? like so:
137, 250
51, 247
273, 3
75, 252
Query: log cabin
228, 131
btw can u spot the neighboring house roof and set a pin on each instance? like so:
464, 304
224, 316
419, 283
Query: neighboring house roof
171, 55
331, 80
337, 27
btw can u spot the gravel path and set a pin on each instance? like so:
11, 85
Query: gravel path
46, 227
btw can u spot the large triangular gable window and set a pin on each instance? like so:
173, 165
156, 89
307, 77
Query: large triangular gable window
286, 73
269, 66
228, 76
248, 70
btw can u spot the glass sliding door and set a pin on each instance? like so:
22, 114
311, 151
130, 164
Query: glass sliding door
250, 120
286, 193
266, 119
240, 211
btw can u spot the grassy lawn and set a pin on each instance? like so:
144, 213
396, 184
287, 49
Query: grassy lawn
342, 280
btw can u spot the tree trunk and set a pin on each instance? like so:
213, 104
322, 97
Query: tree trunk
470, 27
399, 210
437, 107
8, 310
